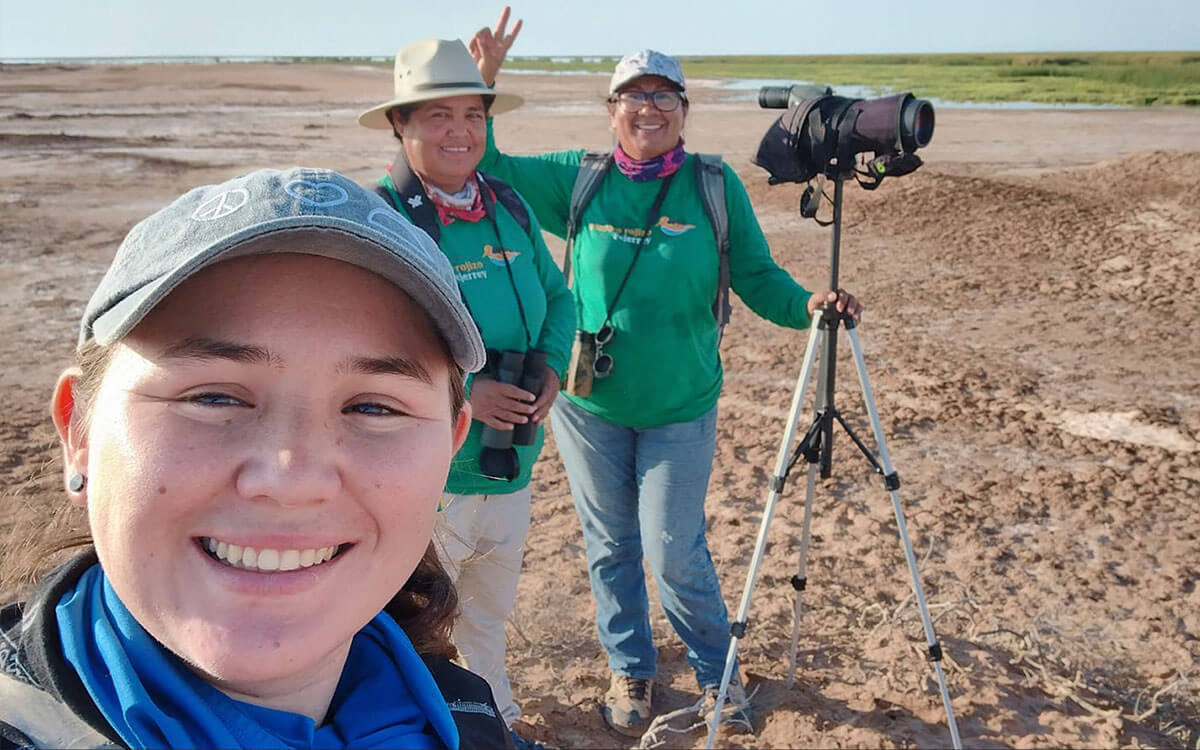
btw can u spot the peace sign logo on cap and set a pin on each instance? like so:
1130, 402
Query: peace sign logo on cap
221, 205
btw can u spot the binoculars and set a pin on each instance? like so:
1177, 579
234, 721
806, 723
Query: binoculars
526, 370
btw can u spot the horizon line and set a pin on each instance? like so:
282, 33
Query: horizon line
566, 57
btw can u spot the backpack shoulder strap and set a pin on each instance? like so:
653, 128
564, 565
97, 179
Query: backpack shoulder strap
710, 176
471, 704
508, 197
409, 197
592, 168
41, 719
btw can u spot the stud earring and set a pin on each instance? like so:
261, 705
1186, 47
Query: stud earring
76, 483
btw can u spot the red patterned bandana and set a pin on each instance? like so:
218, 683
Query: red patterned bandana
466, 204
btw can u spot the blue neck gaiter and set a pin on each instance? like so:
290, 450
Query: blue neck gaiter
386, 696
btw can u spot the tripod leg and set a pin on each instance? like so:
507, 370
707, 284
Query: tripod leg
892, 483
800, 581
738, 628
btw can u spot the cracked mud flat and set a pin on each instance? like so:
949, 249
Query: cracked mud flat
1032, 336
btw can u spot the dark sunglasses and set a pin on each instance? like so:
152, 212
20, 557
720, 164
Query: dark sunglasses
602, 365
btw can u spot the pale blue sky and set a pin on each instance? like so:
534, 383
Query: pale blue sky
134, 28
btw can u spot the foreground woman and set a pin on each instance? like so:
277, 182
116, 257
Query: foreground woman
638, 440
525, 315
267, 397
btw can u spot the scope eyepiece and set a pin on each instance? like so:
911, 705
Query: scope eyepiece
782, 97
773, 97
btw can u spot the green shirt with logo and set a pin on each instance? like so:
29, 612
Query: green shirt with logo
666, 366
478, 257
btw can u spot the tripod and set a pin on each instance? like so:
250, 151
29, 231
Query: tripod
816, 447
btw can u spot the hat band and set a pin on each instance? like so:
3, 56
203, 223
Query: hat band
454, 85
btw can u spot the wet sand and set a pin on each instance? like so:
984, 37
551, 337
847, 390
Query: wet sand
1032, 337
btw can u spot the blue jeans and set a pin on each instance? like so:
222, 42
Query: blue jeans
641, 493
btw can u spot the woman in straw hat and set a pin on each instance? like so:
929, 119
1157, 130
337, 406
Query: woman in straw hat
266, 399
522, 307
638, 440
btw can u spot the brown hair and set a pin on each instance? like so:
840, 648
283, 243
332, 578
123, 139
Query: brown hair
425, 606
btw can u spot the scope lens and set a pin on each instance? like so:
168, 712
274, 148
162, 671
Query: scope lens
916, 122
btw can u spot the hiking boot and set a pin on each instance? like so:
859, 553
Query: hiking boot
627, 704
735, 712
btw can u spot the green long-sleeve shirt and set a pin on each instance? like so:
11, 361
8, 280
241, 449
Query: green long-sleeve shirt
667, 368
474, 252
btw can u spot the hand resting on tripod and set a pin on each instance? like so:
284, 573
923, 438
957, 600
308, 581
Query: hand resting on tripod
846, 302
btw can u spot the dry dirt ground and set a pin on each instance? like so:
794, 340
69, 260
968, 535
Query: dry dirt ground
1032, 336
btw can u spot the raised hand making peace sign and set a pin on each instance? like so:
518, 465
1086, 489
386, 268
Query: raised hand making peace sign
490, 46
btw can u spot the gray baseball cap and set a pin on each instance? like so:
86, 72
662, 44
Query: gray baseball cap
646, 63
297, 210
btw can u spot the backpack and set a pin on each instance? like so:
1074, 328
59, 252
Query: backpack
710, 175
414, 202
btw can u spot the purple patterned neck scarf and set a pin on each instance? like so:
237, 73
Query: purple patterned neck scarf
646, 170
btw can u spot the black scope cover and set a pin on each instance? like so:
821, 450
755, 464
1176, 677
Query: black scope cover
804, 140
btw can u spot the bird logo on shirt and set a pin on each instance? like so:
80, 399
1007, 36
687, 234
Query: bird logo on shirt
673, 228
499, 255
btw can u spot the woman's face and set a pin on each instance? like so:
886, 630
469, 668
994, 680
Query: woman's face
444, 139
647, 132
280, 409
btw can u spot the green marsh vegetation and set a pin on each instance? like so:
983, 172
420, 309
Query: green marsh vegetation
1120, 78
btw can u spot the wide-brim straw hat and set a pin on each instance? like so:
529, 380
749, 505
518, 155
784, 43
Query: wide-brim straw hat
435, 69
